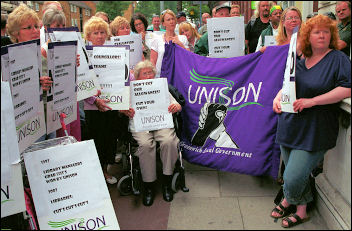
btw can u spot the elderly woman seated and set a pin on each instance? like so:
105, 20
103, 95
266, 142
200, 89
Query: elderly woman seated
147, 144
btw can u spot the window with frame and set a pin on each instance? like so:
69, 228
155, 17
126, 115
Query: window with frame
76, 22
75, 9
36, 6
72, 22
71, 7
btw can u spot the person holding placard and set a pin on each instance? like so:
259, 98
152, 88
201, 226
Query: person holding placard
147, 144
202, 47
105, 126
192, 35
323, 78
23, 25
168, 20
54, 18
139, 24
272, 29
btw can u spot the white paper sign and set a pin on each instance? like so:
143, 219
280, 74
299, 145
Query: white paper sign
12, 194
135, 43
62, 70
269, 41
69, 189
62, 96
87, 83
150, 100
24, 81
109, 63
226, 37
289, 85
9, 147
33, 128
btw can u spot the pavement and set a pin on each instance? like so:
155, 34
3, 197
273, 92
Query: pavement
216, 201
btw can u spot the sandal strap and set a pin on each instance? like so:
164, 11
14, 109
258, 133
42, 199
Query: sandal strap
281, 212
282, 207
290, 223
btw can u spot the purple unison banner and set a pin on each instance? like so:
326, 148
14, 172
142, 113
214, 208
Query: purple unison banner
228, 120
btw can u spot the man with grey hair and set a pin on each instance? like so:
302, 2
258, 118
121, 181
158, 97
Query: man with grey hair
255, 26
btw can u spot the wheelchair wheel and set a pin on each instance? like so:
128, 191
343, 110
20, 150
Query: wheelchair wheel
175, 183
125, 185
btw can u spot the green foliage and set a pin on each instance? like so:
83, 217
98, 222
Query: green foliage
113, 8
148, 8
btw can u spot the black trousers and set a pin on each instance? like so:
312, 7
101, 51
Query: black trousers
105, 128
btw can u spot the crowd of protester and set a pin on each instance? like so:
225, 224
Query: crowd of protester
323, 41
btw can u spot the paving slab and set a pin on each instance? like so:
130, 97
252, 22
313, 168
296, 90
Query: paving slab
194, 167
201, 184
205, 214
234, 185
256, 216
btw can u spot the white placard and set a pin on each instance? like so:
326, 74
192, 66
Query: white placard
136, 47
109, 63
150, 100
62, 96
33, 128
62, 69
12, 194
9, 147
269, 40
289, 85
87, 83
24, 81
69, 189
226, 37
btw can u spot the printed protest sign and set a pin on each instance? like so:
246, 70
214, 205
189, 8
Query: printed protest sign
269, 41
135, 43
226, 37
69, 189
150, 100
87, 83
12, 195
289, 85
62, 95
29, 115
109, 64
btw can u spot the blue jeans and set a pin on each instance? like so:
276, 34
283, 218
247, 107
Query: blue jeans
298, 166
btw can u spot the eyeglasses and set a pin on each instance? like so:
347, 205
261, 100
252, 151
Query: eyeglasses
30, 27
138, 24
295, 18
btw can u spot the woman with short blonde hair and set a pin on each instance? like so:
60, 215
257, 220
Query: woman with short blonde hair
117, 24
142, 65
16, 18
53, 15
94, 24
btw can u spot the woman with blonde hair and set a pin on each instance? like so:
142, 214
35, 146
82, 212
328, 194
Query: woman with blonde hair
290, 18
323, 79
105, 125
120, 26
190, 32
168, 20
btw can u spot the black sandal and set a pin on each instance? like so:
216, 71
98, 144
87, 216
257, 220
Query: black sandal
284, 212
290, 223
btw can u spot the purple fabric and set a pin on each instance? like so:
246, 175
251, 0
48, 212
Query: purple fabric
238, 126
89, 103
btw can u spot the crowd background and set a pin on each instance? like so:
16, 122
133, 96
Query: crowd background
269, 18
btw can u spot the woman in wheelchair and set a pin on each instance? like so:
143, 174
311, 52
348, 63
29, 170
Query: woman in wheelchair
147, 144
